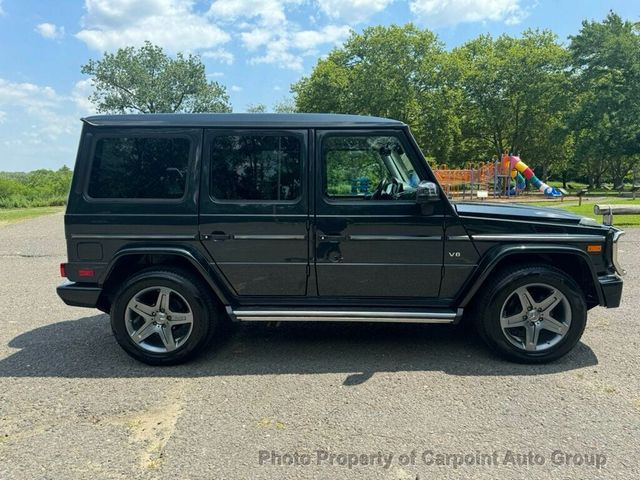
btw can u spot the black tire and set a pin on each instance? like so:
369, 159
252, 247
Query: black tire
191, 290
500, 294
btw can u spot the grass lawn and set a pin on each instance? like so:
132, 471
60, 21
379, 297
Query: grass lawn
586, 210
12, 215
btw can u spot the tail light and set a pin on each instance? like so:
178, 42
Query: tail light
63, 270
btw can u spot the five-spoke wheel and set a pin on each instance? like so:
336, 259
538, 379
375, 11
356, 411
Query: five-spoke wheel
532, 314
159, 319
164, 316
535, 317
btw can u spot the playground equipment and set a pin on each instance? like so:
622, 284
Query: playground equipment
515, 165
502, 177
478, 177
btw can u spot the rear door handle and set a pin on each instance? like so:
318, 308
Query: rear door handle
332, 238
217, 236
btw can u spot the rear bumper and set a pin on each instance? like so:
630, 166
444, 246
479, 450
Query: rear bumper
79, 294
611, 286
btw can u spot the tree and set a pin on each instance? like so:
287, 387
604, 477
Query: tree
606, 65
256, 108
385, 71
286, 105
514, 94
147, 80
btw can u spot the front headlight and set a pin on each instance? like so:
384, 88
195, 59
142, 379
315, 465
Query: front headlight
616, 264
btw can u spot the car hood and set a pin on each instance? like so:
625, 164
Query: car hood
517, 212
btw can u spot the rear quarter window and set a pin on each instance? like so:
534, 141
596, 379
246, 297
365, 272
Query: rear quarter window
139, 167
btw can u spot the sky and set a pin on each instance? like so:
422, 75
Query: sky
256, 48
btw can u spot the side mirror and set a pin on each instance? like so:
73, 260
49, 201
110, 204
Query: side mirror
427, 192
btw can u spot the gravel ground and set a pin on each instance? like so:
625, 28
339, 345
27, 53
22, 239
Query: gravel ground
334, 400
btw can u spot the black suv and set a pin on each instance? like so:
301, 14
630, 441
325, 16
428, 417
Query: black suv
177, 224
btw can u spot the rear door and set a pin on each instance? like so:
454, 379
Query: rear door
254, 210
372, 239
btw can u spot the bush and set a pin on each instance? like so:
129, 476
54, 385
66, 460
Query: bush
40, 188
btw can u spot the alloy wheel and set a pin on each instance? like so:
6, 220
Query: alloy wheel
159, 319
535, 317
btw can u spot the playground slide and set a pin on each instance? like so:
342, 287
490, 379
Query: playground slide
516, 165
519, 184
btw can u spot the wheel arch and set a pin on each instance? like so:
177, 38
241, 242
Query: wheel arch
129, 261
570, 260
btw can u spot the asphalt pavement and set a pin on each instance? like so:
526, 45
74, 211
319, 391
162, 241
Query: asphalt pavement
323, 401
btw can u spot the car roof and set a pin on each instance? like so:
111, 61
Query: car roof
289, 120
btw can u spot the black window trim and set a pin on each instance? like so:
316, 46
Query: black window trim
400, 134
191, 134
302, 134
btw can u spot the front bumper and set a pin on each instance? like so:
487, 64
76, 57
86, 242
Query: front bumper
611, 286
79, 294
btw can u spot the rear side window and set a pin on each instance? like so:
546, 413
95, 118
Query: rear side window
139, 167
256, 167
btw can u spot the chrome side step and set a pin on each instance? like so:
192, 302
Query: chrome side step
343, 316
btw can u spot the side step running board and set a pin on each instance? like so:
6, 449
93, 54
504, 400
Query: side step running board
343, 316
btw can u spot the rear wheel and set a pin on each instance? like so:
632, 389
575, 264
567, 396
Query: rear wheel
163, 317
534, 314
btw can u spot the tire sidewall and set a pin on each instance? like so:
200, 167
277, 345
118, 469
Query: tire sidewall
190, 292
492, 309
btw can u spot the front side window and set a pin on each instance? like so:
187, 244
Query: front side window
256, 167
139, 168
368, 168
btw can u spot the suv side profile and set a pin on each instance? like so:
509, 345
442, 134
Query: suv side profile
178, 224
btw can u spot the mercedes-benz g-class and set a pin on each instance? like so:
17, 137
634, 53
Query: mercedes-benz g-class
176, 224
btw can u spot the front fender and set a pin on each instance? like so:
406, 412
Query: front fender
497, 254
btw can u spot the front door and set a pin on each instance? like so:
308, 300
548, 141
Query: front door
254, 215
371, 238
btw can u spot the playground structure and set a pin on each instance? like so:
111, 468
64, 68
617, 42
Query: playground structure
518, 167
505, 177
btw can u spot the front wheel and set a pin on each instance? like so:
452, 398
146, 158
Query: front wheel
163, 317
533, 314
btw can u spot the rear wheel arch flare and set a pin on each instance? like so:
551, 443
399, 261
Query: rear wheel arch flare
127, 263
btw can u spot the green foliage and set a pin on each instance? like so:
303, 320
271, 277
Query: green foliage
566, 110
40, 188
256, 108
286, 105
514, 93
390, 72
147, 80
352, 167
606, 114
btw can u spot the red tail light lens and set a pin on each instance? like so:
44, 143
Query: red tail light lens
86, 272
63, 270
